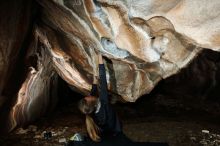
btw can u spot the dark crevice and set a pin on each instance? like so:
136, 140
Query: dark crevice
194, 90
66, 94
18, 69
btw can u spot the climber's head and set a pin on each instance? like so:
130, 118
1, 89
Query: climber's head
88, 104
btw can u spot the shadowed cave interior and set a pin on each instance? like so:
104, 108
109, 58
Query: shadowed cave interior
176, 111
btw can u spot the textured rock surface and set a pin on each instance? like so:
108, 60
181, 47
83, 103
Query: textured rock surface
38, 91
123, 31
143, 41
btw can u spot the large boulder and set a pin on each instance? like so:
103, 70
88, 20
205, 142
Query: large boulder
145, 41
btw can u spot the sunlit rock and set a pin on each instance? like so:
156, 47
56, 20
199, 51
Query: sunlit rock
38, 93
142, 49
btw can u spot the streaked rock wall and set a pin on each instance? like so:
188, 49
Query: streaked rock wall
138, 37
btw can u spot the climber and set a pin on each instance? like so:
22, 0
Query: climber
101, 119
102, 123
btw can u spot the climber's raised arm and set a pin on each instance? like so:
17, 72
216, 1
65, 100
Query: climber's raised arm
102, 81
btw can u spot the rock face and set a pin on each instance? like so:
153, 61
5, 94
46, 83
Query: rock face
123, 31
143, 41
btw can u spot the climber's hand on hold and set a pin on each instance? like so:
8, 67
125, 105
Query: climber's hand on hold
100, 58
95, 79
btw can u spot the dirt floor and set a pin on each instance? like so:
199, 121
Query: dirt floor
176, 126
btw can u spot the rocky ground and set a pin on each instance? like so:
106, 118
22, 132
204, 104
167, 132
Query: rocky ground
176, 126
